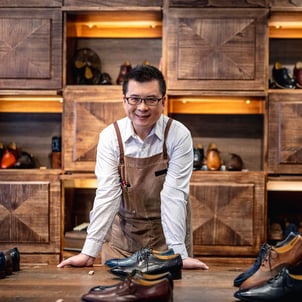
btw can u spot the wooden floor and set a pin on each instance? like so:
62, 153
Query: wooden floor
45, 283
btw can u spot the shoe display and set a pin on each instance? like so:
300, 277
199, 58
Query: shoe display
136, 275
281, 77
275, 259
298, 74
283, 287
153, 264
132, 289
135, 257
262, 253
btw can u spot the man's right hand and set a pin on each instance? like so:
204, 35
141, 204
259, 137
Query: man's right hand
77, 260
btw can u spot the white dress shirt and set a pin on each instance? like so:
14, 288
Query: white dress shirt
174, 194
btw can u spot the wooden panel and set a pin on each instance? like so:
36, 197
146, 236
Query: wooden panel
86, 113
217, 3
285, 133
32, 52
31, 3
112, 3
285, 4
30, 211
208, 51
228, 212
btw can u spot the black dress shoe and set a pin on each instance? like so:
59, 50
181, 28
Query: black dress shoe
283, 287
135, 257
15, 257
282, 78
153, 264
2, 265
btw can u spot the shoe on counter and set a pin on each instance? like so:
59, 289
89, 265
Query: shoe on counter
153, 264
283, 287
298, 74
135, 257
281, 77
132, 289
2, 265
262, 253
276, 258
135, 275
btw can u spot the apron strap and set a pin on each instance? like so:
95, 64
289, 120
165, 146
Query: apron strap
165, 152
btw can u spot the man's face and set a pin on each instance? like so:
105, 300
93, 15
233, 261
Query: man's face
143, 117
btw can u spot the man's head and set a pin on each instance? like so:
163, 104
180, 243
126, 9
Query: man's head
144, 92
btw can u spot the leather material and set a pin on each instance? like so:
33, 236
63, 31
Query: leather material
282, 78
135, 257
283, 287
276, 259
134, 290
262, 253
15, 257
152, 264
2, 265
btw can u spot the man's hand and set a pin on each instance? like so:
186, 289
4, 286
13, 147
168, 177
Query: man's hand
78, 260
193, 263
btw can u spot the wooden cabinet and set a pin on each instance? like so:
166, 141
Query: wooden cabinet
284, 4
30, 210
228, 212
31, 3
31, 51
76, 4
216, 49
217, 3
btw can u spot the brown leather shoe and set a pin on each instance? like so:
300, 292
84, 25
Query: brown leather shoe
132, 290
276, 258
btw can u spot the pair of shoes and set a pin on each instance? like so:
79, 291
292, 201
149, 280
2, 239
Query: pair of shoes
283, 287
276, 258
153, 264
135, 257
281, 77
298, 74
9, 262
134, 289
262, 253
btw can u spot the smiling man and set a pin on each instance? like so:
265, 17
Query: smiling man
144, 164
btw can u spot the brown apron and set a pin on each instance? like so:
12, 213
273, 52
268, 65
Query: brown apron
138, 222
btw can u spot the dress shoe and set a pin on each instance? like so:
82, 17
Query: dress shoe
131, 290
298, 74
153, 264
8, 264
281, 77
135, 257
15, 257
136, 275
2, 265
276, 258
283, 287
262, 253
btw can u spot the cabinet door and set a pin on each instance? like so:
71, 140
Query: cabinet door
31, 48
30, 214
31, 3
112, 3
285, 4
228, 213
87, 112
217, 3
215, 49
285, 133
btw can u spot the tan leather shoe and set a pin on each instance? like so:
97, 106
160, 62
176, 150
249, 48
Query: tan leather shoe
276, 258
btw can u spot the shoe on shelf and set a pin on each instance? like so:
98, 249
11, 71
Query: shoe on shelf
15, 257
281, 77
2, 265
262, 253
298, 74
134, 290
283, 287
276, 258
135, 257
153, 264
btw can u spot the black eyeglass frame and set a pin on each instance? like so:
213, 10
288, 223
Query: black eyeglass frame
138, 100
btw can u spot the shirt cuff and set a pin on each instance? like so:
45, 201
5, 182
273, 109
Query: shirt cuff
180, 249
92, 247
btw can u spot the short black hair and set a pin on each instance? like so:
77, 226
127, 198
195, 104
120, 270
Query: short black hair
145, 73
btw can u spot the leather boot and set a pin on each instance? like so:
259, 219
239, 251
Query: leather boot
276, 259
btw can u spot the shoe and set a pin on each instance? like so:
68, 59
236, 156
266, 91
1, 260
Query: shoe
131, 290
298, 74
2, 265
153, 264
275, 259
281, 77
8, 264
135, 275
15, 257
283, 286
135, 257
263, 251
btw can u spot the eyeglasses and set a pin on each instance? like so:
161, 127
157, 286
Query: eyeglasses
133, 100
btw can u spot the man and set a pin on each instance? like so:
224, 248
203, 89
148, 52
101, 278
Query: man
144, 164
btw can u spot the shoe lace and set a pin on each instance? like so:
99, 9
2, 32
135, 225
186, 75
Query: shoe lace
271, 254
143, 254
